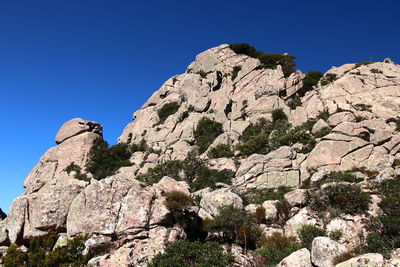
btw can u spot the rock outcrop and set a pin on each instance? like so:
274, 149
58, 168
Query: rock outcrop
355, 127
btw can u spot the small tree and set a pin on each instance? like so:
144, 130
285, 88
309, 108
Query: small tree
235, 226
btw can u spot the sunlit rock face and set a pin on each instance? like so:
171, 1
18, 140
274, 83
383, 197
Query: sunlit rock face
128, 221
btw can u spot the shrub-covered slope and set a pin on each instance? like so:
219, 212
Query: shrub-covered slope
242, 160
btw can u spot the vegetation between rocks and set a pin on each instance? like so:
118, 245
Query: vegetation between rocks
192, 170
206, 132
167, 110
188, 254
268, 60
42, 254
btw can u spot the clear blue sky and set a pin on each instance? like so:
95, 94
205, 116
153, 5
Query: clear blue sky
101, 60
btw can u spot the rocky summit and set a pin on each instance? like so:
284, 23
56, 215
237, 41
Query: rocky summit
240, 161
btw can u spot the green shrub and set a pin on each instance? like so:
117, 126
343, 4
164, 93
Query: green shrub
206, 132
259, 196
220, 151
307, 233
266, 136
207, 177
15, 257
245, 49
339, 176
257, 144
235, 72
376, 71
183, 116
41, 254
335, 235
167, 110
324, 115
105, 161
321, 133
276, 247
336, 199
202, 74
386, 227
328, 78
235, 225
365, 63
78, 172
268, 60
310, 80
192, 170
278, 114
170, 168
189, 254
177, 200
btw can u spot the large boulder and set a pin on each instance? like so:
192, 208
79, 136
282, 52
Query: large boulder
210, 202
112, 205
299, 258
77, 126
324, 250
303, 217
365, 260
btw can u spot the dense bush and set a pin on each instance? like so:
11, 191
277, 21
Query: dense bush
234, 225
170, 168
166, 110
105, 161
258, 196
340, 198
192, 170
339, 176
278, 114
257, 144
385, 228
207, 177
78, 171
310, 80
265, 136
235, 72
268, 60
307, 233
206, 132
376, 71
335, 235
220, 151
202, 74
189, 254
41, 253
275, 248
